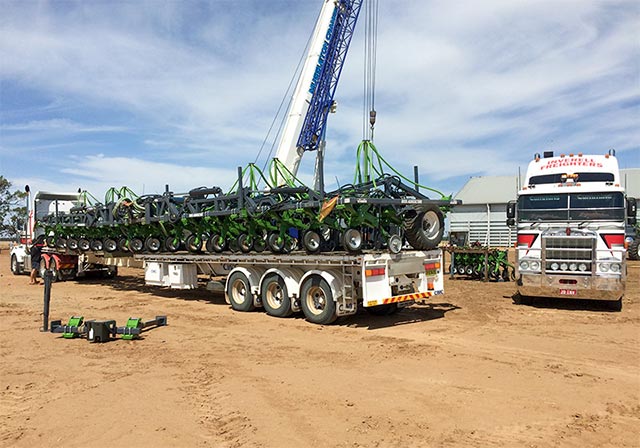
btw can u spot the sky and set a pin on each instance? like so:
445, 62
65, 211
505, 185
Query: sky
95, 94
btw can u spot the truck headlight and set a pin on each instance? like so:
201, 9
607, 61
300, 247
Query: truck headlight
573, 267
564, 267
524, 265
604, 267
555, 266
534, 265
582, 267
615, 267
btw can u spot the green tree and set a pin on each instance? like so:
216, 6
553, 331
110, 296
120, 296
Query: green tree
13, 210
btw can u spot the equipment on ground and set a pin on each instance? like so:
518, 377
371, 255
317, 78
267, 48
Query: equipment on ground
104, 330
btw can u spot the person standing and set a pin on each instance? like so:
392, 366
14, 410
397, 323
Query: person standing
36, 256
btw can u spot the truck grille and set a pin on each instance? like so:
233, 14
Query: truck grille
568, 254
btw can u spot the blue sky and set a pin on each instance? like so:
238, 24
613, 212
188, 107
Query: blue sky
146, 93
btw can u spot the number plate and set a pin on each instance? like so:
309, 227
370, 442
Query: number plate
568, 292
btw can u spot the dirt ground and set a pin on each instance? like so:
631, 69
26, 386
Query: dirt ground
468, 369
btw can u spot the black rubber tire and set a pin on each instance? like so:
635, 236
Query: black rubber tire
15, 266
239, 292
216, 244
275, 297
136, 245
275, 243
634, 247
72, 243
96, 245
110, 245
259, 244
84, 244
383, 310
194, 243
51, 241
352, 240
153, 244
311, 241
317, 302
123, 244
419, 237
245, 243
61, 242
172, 244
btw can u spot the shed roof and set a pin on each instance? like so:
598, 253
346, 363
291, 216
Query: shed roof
502, 189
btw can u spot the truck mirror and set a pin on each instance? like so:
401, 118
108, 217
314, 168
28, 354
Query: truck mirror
511, 210
632, 211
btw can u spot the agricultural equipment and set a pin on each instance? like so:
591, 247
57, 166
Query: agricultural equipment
270, 208
104, 330
479, 262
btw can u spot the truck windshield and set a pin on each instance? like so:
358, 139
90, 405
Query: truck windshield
572, 207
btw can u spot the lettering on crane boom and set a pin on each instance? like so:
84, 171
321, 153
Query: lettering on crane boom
323, 53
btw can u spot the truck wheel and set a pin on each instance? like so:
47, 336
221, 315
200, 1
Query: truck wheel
424, 229
316, 301
110, 245
274, 295
239, 292
633, 249
15, 266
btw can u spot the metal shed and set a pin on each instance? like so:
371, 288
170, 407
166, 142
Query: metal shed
482, 216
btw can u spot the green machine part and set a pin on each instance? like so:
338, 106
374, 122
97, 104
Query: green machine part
74, 321
133, 322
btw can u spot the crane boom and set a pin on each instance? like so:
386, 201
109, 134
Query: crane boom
313, 96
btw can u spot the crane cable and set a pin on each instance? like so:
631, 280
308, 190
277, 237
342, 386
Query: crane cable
370, 59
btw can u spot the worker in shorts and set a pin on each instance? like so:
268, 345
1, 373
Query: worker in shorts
36, 256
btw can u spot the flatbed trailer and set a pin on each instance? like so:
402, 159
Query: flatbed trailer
322, 286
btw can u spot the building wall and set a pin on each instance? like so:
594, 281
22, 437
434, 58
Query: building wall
486, 223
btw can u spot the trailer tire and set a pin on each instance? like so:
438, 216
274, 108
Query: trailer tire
311, 241
275, 243
633, 249
316, 301
275, 297
83, 244
245, 243
239, 292
72, 243
97, 245
216, 244
352, 240
172, 243
424, 229
153, 244
194, 243
15, 266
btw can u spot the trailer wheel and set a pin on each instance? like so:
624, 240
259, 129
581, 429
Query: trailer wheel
274, 295
260, 244
61, 242
316, 301
153, 244
275, 243
123, 245
634, 248
110, 245
424, 229
239, 292
53, 267
136, 245
15, 266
